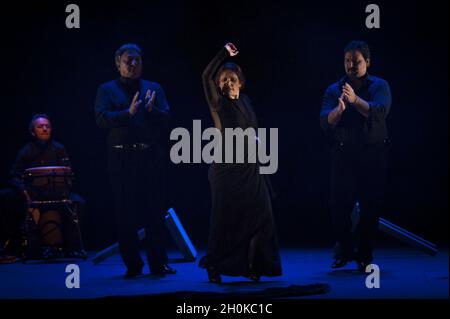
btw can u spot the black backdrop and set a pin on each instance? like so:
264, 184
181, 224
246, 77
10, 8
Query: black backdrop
290, 52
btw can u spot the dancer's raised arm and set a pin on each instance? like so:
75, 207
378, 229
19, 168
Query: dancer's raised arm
212, 92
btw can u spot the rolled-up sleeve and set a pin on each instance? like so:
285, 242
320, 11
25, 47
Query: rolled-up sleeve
105, 116
328, 104
380, 104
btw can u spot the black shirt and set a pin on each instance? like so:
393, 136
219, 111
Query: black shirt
353, 127
35, 154
111, 112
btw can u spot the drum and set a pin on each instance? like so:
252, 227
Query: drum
48, 182
50, 229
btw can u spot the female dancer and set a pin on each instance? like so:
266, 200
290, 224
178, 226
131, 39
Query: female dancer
242, 238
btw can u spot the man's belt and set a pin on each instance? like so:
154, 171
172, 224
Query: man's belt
134, 146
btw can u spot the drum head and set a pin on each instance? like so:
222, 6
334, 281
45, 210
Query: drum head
48, 170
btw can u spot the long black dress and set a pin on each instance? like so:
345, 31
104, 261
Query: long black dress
242, 238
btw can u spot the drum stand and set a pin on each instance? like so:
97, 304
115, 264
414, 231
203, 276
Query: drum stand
32, 242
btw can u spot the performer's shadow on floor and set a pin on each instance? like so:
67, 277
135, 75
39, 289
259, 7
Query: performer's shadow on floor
245, 283
345, 273
351, 273
140, 277
51, 261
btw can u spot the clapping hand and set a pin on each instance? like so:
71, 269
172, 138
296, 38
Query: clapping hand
349, 93
150, 97
134, 104
341, 105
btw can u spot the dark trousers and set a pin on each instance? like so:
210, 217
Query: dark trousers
12, 216
137, 180
358, 173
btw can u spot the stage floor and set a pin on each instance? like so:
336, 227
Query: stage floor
405, 273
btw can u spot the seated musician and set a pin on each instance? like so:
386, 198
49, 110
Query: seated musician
58, 233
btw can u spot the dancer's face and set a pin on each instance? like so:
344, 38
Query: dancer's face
355, 64
42, 129
130, 65
229, 84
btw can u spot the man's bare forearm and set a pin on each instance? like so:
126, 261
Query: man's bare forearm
335, 116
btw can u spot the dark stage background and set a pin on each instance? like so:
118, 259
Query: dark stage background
290, 52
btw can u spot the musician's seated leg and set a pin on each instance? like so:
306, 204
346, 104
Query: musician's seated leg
12, 215
73, 245
81, 205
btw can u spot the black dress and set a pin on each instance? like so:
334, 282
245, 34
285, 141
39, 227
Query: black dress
242, 238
